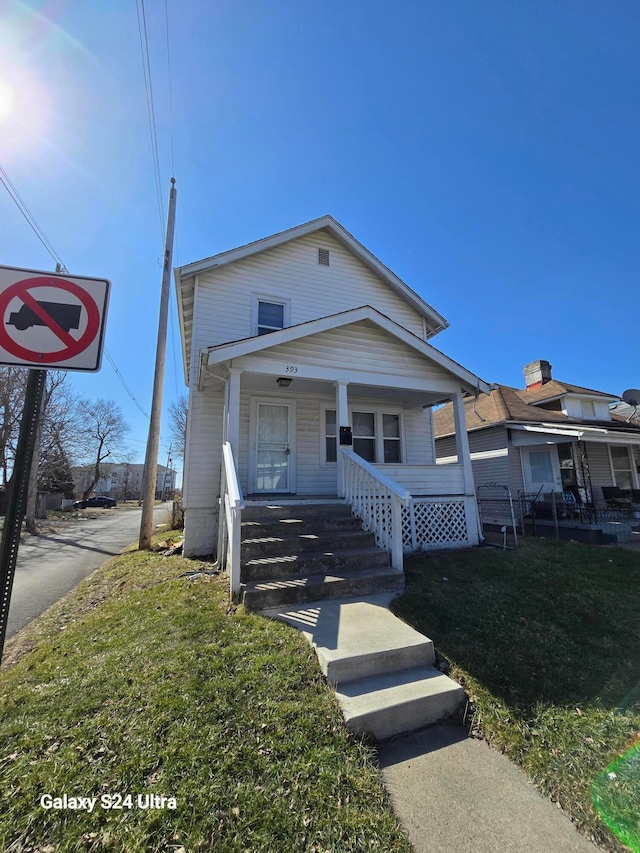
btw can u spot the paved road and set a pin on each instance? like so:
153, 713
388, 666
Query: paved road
51, 564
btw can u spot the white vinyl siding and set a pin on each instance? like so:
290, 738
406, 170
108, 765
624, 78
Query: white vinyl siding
418, 437
291, 274
204, 450
359, 346
432, 479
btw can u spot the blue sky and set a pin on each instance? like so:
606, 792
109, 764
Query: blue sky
487, 152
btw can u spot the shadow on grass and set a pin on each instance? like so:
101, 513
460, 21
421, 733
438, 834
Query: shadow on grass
551, 622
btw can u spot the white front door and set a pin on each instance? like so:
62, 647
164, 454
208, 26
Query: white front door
541, 469
273, 448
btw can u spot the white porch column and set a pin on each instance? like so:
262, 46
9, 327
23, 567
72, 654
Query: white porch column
342, 419
464, 459
233, 411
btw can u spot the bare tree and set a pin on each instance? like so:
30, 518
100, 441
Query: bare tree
13, 384
178, 424
102, 431
50, 464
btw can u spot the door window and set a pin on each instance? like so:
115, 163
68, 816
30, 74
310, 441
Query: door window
541, 467
273, 452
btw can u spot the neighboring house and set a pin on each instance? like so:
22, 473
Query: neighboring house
290, 339
550, 437
123, 481
629, 414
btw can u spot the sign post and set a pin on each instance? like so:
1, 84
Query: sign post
17, 498
47, 320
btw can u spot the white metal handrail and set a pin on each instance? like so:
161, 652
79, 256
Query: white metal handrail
233, 504
377, 500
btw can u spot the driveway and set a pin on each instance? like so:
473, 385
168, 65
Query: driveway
51, 564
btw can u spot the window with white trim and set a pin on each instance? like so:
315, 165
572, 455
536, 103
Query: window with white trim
621, 466
270, 317
330, 436
376, 436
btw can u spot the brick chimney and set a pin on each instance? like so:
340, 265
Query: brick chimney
537, 374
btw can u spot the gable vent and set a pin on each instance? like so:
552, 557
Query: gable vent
323, 257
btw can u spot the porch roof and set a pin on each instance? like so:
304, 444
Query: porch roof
257, 345
552, 433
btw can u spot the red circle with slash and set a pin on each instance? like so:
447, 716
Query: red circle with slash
72, 347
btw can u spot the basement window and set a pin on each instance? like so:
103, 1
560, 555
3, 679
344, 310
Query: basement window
323, 257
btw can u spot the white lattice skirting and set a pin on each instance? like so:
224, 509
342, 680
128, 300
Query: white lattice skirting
429, 523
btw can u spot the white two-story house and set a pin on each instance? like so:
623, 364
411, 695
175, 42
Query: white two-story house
312, 363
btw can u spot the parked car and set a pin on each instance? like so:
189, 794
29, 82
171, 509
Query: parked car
100, 501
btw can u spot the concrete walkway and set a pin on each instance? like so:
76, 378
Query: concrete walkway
454, 793
451, 792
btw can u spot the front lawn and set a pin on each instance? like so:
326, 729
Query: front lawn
141, 682
546, 640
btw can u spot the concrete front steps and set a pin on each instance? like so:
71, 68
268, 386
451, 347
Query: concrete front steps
295, 553
381, 668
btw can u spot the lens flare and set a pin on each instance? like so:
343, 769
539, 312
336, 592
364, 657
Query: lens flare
616, 797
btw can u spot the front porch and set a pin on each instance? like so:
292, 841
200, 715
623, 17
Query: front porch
297, 442
339, 408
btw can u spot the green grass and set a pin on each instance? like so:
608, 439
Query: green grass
143, 681
546, 640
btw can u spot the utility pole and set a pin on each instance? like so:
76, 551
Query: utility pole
151, 457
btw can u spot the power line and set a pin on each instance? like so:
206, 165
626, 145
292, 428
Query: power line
166, 20
124, 384
31, 220
146, 68
60, 267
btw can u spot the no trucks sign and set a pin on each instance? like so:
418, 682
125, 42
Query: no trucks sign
52, 320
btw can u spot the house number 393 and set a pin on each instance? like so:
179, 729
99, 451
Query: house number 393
291, 368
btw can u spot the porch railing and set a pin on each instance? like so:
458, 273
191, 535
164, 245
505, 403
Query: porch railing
378, 501
406, 522
232, 504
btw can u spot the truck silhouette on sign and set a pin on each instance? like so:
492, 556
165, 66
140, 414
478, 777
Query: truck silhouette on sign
66, 316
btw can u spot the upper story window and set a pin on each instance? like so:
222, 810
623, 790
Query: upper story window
269, 315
